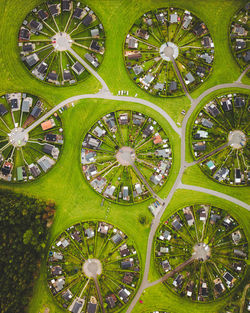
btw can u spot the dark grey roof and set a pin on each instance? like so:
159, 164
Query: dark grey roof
42, 14
36, 111
42, 68
87, 20
24, 34
28, 47
53, 9
76, 307
173, 86
95, 45
91, 307
52, 76
77, 13
48, 148
3, 110
66, 75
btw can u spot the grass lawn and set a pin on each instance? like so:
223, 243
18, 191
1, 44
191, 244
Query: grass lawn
65, 184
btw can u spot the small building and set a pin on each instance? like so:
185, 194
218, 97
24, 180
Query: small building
89, 232
27, 104
24, 34
3, 110
87, 20
34, 170
43, 15
32, 59
172, 86
78, 68
48, 124
189, 78
37, 110
95, 33
178, 282
124, 295
79, 13
206, 123
45, 163
176, 224
36, 25
92, 60
51, 150
210, 164
117, 238
166, 265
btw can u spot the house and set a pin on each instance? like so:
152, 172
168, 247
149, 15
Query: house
109, 191
123, 119
199, 146
239, 30
92, 305
160, 17
203, 214
21, 173
27, 104
28, 47
67, 295
52, 150
188, 215
63, 242
159, 86
111, 301
92, 60
240, 44
239, 102
237, 176
164, 250
186, 20
90, 171
236, 237
189, 288
124, 251
246, 56
126, 264
98, 183
124, 295
207, 58
67, 75
142, 33
147, 80
52, 77
89, 232
206, 123
189, 78
132, 43
45, 163
54, 9
156, 178
200, 71
210, 164
79, 13
37, 110
178, 281
199, 29
173, 18
164, 153
201, 134
203, 290
128, 278
218, 286
133, 55
95, 33
48, 124
103, 228
57, 256
32, 59
95, 46
58, 284
221, 174
7, 168
227, 222
240, 253
147, 131
24, 34
214, 218
117, 238
56, 270
226, 104
99, 132
229, 279
125, 195
77, 305
172, 86
78, 68
92, 142
207, 42
3, 110
165, 235
43, 15
66, 5
176, 224
50, 137
76, 235
138, 189
40, 70
36, 25
137, 69
14, 99
34, 170
212, 109
138, 119
88, 19
110, 121
166, 265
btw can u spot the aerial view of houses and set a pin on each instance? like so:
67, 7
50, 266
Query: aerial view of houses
27, 150
202, 250
93, 266
49, 33
169, 50
239, 36
124, 156
219, 139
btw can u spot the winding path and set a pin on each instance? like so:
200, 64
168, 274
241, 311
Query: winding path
105, 93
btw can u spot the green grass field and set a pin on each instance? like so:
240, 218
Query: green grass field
65, 184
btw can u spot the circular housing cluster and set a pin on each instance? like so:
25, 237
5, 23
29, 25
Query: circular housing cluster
168, 51
27, 149
126, 156
201, 250
54, 38
93, 265
220, 139
239, 36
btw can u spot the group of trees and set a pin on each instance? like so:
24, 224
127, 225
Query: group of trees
24, 225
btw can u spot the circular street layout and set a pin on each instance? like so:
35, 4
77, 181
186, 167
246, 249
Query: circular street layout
168, 51
50, 31
239, 36
201, 251
220, 139
93, 267
27, 153
126, 156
